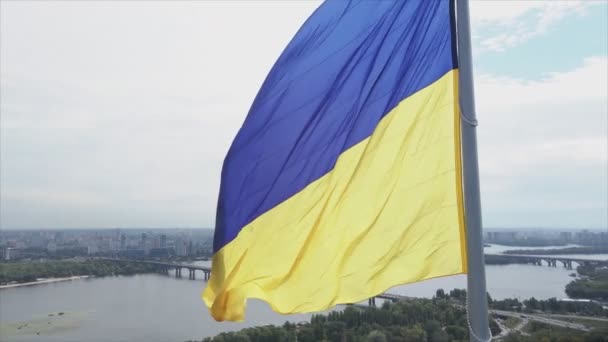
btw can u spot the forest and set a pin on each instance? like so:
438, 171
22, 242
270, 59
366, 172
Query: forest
441, 318
593, 284
416, 320
29, 271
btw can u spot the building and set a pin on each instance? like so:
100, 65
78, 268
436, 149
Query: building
156, 243
181, 247
132, 253
114, 245
147, 246
498, 237
163, 241
591, 238
38, 241
160, 252
144, 239
565, 237
51, 247
11, 253
92, 249
603, 239
58, 237
103, 245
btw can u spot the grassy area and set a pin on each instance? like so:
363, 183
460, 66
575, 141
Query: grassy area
512, 322
593, 324
594, 286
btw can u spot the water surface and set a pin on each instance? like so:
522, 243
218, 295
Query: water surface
159, 308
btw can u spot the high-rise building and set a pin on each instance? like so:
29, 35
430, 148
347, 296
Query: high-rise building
114, 245
147, 246
92, 249
163, 241
59, 237
38, 241
11, 253
51, 247
584, 237
565, 236
181, 247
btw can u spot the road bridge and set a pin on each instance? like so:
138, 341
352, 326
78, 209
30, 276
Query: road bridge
549, 260
165, 267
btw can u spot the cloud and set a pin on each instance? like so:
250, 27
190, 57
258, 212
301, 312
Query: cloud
500, 25
585, 82
127, 124
544, 146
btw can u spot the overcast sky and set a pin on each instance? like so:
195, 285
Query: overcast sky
119, 114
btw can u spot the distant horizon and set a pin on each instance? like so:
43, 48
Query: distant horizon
211, 228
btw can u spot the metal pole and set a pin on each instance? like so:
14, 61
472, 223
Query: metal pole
477, 302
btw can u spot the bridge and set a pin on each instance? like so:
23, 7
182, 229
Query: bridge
165, 267
549, 260
387, 296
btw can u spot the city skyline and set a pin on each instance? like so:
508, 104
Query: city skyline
155, 229
126, 125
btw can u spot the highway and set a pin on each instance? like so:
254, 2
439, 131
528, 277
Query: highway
542, 319
599, 319
504, 330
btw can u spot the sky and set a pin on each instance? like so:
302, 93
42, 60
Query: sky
119, 114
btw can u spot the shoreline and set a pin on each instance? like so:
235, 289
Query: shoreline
44, 281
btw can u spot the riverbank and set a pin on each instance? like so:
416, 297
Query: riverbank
24, 272
592, 285
43, 281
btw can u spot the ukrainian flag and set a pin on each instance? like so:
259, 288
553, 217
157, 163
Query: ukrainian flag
345, 178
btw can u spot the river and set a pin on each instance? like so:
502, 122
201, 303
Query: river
155, 307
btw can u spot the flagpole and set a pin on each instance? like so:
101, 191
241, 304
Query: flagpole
477, 303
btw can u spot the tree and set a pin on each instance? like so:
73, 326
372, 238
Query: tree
432, 326
531, 303
440, 293
457, 332
414, 334
335, 330
306, 334
439, 336
376, 336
